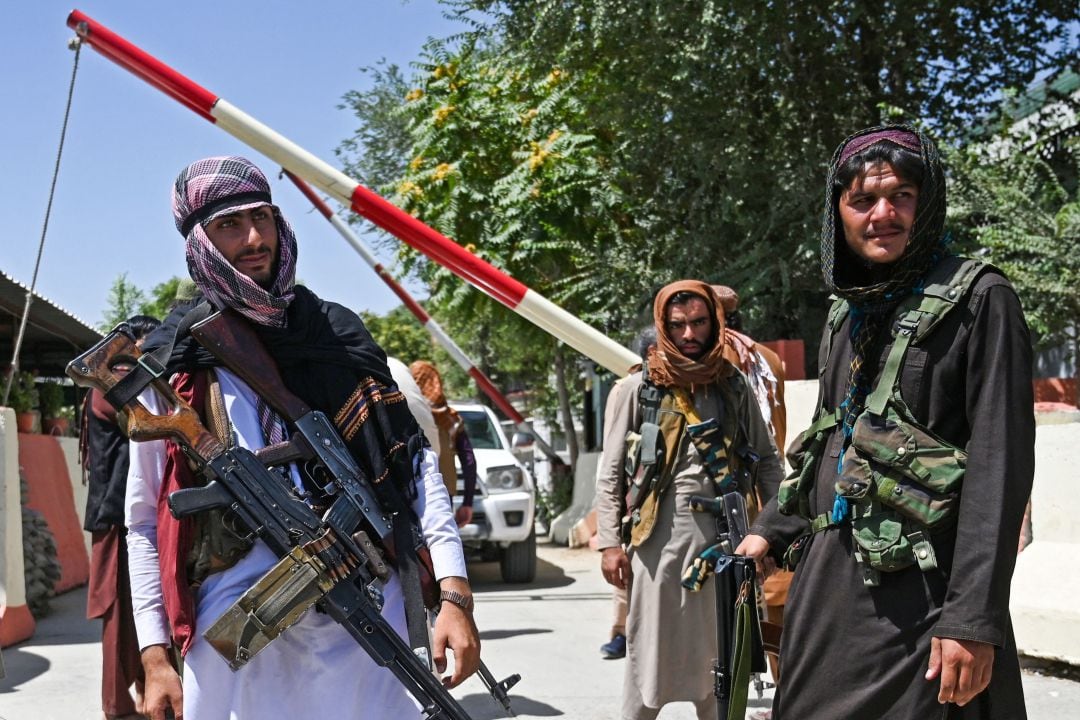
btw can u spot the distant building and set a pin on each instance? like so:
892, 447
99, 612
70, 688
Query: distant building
53, 335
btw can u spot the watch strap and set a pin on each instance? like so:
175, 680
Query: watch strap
465, 602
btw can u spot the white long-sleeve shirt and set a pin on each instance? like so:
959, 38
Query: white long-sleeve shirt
267, 686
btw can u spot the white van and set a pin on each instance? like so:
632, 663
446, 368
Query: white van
504, 506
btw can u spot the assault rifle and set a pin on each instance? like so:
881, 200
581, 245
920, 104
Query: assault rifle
233, 341
739, 650
322, 560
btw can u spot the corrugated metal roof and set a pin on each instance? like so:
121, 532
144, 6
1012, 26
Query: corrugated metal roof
53, 335
1037, 96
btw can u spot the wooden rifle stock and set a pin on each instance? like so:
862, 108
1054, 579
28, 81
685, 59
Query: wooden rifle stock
100, 368
232, 340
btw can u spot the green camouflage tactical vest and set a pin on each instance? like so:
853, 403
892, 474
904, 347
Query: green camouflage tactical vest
901, 481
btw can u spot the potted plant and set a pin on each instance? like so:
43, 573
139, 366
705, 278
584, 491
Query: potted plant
23, 400
51, 402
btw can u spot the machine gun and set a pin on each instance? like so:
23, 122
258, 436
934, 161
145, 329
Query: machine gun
321, 561
232, 340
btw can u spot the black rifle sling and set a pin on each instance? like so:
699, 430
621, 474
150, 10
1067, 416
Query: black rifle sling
151, 366
649, 398
409, 571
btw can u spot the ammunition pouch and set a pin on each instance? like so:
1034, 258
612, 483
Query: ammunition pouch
793, 497
885, 542
902, 465
654, 450
217, 545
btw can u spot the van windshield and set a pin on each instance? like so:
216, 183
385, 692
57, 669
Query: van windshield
481, 432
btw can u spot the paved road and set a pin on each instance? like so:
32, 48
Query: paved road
549, 631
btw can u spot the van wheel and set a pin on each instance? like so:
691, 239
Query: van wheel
518, 561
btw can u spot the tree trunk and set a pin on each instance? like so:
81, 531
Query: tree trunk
564, 405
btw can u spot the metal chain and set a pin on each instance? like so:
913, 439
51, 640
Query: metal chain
76, 45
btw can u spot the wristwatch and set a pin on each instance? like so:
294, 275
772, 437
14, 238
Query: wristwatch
465, 602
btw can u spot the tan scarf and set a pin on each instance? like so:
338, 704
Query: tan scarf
430, 382
670, 368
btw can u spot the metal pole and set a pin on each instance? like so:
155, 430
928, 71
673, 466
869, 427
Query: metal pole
490, 280
440, 336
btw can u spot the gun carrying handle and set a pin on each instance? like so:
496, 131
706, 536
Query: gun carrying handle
234, 342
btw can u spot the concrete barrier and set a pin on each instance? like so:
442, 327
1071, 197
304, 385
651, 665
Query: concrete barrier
1046, 585
584, 498
16, 622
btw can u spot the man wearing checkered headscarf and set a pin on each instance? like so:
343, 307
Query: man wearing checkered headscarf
930, 639
207, 196
241, 254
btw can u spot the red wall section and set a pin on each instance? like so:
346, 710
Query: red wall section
793, 354
46, 471
1056, 390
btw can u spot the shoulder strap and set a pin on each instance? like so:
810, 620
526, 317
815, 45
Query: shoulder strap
151, 366
837, 312
946, 286
649, 397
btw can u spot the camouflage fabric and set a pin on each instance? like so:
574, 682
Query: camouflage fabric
903, 466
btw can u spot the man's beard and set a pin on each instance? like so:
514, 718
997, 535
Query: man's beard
698, 354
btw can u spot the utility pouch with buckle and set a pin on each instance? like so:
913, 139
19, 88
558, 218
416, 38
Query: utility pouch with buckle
904, 467
886, 542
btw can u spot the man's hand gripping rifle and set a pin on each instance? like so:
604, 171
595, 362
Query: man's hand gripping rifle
738, 635
321, 560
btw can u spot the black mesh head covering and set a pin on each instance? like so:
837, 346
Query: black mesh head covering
888, 283
873, 290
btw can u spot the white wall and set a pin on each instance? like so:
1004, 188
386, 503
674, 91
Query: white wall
12, 580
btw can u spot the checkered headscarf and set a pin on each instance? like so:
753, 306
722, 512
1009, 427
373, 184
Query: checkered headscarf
214, 186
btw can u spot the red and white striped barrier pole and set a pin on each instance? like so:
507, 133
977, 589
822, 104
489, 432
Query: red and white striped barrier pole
490, 280
426, 320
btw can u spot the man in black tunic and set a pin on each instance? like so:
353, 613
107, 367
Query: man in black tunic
103, 446
929, 639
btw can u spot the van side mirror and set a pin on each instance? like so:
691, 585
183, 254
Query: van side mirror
522, 440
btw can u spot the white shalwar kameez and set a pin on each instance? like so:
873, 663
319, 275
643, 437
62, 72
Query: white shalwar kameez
314, 669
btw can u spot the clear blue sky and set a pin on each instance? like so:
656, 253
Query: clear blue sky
286, 63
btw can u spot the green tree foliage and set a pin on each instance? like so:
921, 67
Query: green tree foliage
124, 300
723, 115
401, 335
162, 298
1015, 211
496, 161
598, 149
